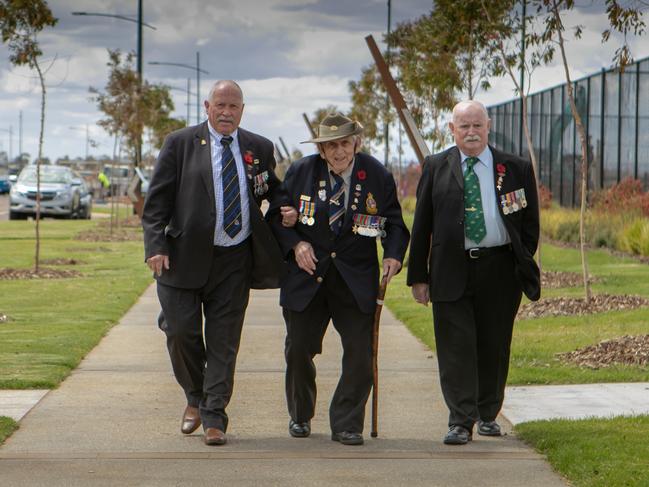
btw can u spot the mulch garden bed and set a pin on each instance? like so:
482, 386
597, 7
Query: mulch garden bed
102, 235
128, 222
61, 261
558, 279
88, 249
563, 306
8, 273
625, 350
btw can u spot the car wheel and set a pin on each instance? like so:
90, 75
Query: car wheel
17, 216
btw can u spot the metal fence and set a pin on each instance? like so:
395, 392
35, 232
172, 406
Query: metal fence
614, 108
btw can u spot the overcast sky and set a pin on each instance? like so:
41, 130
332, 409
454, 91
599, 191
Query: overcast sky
290, 57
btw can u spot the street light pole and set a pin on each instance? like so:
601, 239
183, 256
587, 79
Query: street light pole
198, 70
140, 23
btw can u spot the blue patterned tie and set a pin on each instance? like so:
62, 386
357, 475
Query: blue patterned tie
231, 195
474, 225
336, 204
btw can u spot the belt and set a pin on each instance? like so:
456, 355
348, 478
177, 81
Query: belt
479, 252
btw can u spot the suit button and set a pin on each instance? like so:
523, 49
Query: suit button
333, 255
319, 279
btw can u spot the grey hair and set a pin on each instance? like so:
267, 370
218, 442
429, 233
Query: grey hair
470, 103
222, 83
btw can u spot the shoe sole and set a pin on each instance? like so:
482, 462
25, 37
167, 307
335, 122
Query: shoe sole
457, 442
215, 442
299, 435
347, 442
499, 433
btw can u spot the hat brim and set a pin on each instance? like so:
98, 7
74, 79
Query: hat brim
328, 138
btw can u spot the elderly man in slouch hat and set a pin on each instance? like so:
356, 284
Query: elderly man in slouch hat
345, 200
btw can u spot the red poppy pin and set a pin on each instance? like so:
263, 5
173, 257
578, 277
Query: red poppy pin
500, 169
361, 174
248, 157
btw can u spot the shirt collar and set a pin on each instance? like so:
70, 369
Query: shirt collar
347, 173
486, 157
217, 136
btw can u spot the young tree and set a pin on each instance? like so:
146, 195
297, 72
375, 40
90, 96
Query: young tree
20, 22
625, 18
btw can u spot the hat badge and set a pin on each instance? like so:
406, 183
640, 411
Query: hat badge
333, 128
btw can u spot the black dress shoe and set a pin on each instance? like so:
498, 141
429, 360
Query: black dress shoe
299, 430
458, 435
348, 438
489, 428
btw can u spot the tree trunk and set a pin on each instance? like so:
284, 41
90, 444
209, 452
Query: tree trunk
38, 168
584, 152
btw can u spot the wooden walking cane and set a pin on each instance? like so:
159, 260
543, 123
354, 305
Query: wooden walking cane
375, 355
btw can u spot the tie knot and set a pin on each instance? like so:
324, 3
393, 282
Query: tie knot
470, 162
226, 140
338, 178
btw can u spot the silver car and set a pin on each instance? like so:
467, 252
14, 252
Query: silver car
60, 193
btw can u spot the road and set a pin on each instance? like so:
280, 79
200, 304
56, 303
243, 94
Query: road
4, 206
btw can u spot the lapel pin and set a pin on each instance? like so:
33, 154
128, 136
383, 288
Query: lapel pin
203, 142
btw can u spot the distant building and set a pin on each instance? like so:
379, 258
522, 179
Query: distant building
614, 108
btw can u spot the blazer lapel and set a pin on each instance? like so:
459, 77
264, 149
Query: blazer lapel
353, 181
204, 151
245, 146
453, 160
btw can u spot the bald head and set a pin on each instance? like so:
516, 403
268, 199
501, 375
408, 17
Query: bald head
224, 106
470, 127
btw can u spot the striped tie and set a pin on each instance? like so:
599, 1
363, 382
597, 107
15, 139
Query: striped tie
474, 224
337, 204
231, 196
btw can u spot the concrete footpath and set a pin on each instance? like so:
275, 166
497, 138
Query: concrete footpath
116, 421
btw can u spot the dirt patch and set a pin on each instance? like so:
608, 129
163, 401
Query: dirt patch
88, 249
129, 222
61, 261
626, 350
102, 235
558, 279
8, 273
578, 306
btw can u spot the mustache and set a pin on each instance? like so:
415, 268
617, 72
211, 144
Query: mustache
472, 138
226, 120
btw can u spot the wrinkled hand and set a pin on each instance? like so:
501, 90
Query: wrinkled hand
305, 257
157, 263
390, 267
289, 216
420, 293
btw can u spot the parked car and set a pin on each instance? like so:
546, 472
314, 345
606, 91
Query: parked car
60, 193
5, 185
85, 196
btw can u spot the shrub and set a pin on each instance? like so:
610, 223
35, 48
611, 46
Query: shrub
625, 198
635, 237
545, 197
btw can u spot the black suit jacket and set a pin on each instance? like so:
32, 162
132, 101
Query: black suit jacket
354, 255
437, 253
179, 217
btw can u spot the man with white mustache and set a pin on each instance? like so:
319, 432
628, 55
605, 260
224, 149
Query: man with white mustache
474, 235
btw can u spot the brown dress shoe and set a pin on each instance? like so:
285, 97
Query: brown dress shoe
214, 436
191, 420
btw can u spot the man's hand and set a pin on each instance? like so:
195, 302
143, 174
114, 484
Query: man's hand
420, 293
289, 216
157, 263
305, 257
390, 267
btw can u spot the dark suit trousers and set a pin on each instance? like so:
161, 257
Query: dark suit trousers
473, 338
205, 368
305, 331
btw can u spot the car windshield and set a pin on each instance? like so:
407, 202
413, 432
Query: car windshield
48, 175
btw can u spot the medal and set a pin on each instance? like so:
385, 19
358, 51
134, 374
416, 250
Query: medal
322, 194
310, 221
370, 204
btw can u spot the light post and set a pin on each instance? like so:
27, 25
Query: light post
140, 23
87, 138
189, 94
198, 70
10, 130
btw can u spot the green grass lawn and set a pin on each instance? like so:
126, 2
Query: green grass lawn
54, 323
595, 452
7, 426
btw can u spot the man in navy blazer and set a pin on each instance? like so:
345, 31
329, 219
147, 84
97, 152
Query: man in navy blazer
346, 200
206, 254
474, 280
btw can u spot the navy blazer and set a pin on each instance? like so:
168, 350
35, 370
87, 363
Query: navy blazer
437, 254
353, 254
179, 216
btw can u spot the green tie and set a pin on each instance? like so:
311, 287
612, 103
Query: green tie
474, 226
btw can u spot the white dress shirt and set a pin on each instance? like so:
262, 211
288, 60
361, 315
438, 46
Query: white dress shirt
221, 238
496, 231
